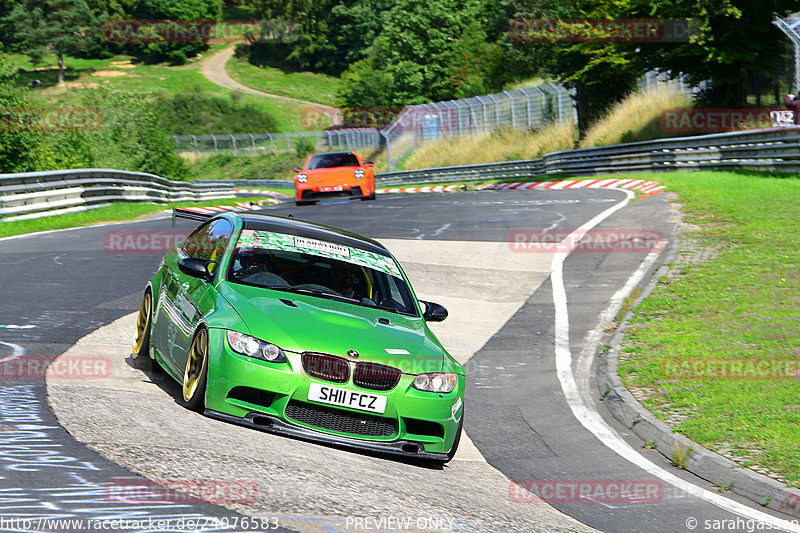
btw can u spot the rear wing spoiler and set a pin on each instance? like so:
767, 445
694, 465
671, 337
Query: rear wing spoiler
191, 215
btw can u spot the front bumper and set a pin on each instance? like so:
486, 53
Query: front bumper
310, 194
272, 424
259, 394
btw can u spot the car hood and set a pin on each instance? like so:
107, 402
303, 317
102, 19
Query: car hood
302, 323
331, 172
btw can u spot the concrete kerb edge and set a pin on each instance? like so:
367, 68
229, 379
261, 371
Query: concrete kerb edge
725, 474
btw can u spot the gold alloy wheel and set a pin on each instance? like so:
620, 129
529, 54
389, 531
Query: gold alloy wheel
143, 325
195, 364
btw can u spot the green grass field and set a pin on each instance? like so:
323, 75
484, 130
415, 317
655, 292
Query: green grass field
309, 86
715, 347
116, 212
263, 166
119, 73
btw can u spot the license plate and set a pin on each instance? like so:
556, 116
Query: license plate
334, 188
362, 401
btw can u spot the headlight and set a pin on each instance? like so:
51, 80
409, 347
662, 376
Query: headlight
436, 382
359, 173
253, 347
302, 178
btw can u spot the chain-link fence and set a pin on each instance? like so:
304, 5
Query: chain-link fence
255, 143
524, 108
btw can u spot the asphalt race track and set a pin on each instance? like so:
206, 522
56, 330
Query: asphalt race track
122, 423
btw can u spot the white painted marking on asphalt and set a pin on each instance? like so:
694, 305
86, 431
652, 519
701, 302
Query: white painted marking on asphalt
440, 230
14, 326
47, 232
17, 351
591, 419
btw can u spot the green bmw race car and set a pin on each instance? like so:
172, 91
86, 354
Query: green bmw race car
303, 330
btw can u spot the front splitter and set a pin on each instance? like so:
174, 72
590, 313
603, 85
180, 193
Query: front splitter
272, 424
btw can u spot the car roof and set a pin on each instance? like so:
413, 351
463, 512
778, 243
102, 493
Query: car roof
333, 153
311, 230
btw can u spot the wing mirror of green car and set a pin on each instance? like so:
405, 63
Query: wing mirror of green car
197, 268
433, 312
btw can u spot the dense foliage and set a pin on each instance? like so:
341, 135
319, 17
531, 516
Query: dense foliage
199, 113
389, 53
127, 135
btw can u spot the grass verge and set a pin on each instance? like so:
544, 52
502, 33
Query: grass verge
715, 347
309, 86
500, 145
637, 117
116, 212
120, 73
225, 166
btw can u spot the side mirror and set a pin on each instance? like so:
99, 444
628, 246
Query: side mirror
196, 267
367, 164
297, 169
433, 312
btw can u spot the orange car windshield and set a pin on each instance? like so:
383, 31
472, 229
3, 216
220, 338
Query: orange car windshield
332, 160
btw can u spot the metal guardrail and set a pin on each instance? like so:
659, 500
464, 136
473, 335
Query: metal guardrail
765, 150
37, 194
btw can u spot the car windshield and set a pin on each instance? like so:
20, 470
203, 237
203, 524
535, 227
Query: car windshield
332, 160
318, 268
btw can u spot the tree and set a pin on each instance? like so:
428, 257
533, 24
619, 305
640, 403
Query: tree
17, 147
52, 26
601, 72
732, 38
426, 52
172, 10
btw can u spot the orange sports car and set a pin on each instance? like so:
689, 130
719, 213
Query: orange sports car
334, 175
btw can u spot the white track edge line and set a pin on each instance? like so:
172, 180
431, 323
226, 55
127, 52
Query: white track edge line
591, 420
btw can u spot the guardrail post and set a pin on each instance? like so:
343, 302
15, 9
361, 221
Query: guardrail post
233, 140
216, 150
194, 141
288, 143
271, 143
253, 143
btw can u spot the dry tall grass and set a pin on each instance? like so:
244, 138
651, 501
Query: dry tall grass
636, 118
500, 145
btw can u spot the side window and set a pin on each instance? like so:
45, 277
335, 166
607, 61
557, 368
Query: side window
209, 241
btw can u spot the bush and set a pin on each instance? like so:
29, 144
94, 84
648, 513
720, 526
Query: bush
195, 112
17, 148
131, 136
175, 53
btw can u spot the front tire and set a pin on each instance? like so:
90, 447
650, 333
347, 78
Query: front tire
195, 376
141, 344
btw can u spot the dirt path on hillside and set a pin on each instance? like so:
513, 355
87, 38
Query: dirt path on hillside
213, 68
